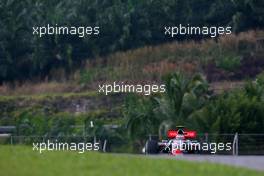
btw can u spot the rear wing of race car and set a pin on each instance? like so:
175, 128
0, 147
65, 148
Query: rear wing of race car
187, 134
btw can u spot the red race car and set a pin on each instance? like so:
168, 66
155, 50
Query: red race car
180, 140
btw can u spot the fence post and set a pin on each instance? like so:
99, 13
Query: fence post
206, 137
235, 144
150, 137
94, 139
104, 146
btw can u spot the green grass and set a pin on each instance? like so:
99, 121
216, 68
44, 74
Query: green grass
22, 161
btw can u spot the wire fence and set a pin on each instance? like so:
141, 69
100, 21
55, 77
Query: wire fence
241, 144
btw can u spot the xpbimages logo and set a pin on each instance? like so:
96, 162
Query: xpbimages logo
211, 31
81, 31
57, 146
146, 89
212, 147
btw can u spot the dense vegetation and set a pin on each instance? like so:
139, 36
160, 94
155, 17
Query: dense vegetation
132, 48
124, 24
189, 102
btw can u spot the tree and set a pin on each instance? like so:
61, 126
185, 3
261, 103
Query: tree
237, 111
184, 96
140, 118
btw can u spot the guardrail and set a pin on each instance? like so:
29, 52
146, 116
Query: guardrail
242, 144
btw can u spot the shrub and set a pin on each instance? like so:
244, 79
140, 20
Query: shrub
238, 111
87, 75
229, 63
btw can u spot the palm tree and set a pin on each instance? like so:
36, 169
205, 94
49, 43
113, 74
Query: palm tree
140, 119
184, 96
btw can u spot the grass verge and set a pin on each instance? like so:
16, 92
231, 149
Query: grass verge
22, 161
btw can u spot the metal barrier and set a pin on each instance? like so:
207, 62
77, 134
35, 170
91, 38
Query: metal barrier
242, 144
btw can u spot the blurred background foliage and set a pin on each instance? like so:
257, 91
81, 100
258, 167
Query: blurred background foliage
137, 25
124, 24
188, 102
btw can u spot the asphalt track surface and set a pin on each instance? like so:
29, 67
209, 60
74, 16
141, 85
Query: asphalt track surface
251, 162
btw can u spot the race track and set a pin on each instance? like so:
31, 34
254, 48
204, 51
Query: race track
252, 162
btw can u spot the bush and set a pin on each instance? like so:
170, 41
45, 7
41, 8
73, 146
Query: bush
87, 75
239, 111
228, 63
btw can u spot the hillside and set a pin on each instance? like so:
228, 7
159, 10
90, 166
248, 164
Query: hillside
225, 63
212, 77
231, 58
